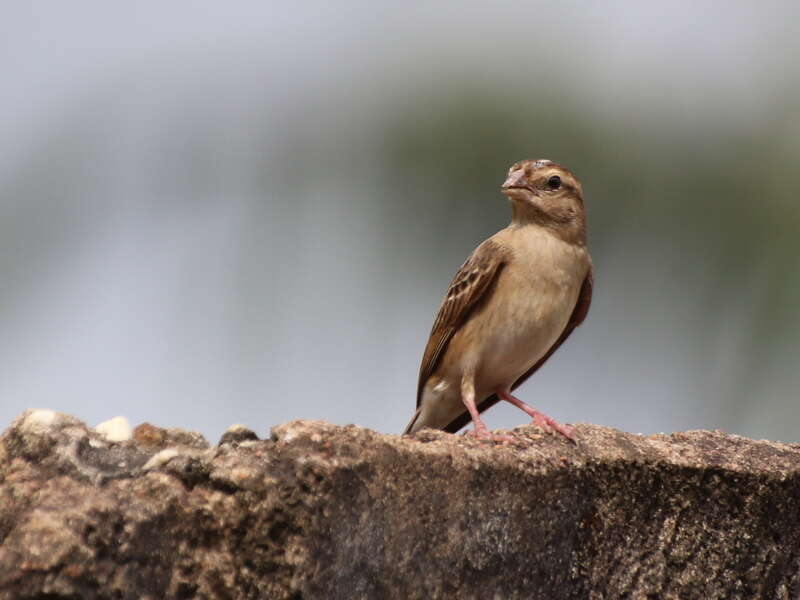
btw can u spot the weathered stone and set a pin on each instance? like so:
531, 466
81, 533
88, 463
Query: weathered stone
157, 437
236, 434
320, 511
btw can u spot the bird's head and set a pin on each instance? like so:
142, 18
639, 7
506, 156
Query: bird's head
547, 194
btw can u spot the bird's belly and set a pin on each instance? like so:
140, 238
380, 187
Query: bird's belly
517, 334
514, 343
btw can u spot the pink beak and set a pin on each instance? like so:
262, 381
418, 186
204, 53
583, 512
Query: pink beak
515, 179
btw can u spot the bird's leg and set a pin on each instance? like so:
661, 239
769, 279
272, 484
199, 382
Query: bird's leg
468, 398
539, 418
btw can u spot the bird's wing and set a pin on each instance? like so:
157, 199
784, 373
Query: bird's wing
470, 285
575, 319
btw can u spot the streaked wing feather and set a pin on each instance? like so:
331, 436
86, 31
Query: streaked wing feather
576, 318
469, 285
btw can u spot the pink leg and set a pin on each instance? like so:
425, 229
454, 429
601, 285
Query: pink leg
539, 418
468, 398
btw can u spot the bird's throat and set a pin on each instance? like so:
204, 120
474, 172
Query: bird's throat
525, 212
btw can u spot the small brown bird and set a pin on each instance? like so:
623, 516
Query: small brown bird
510, 306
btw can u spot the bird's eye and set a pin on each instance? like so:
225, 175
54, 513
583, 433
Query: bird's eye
554, 182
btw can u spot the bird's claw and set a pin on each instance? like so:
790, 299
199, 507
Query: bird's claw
548, 424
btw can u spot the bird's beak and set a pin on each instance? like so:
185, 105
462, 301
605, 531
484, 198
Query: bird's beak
515, 179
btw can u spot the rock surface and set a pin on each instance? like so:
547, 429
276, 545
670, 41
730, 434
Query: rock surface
320, 511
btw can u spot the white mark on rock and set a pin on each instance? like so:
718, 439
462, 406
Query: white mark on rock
115, 430
39, 420
160, 459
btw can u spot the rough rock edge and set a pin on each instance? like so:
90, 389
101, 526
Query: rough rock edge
322, 511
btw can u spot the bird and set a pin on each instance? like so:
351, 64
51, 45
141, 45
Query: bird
515, 300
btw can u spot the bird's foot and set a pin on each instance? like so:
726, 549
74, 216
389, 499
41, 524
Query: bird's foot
545, 422
539, 418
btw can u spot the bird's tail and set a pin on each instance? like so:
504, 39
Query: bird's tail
410, 427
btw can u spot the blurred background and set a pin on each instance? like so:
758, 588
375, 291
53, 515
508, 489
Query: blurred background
248, 211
